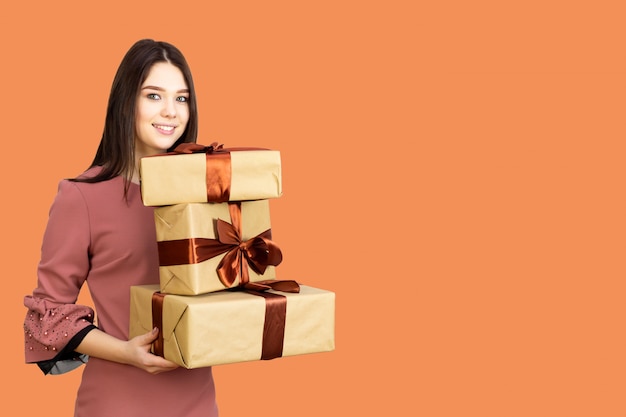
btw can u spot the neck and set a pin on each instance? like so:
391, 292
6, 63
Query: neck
135, 178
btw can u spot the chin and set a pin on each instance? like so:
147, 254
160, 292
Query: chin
165, 145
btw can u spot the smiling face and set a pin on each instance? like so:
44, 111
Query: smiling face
162, 110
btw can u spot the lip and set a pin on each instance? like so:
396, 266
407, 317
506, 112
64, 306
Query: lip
164, 128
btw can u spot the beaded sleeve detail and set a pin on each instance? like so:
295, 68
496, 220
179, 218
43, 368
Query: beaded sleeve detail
52, 332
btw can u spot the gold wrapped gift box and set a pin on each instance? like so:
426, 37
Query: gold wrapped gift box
184, 231
228, 326
226, 175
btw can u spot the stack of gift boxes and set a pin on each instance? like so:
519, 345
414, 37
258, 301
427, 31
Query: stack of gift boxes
219, 300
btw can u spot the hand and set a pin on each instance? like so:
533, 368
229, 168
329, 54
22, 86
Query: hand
138, 350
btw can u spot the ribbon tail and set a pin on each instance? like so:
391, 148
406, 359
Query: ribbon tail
284, 285
243, 270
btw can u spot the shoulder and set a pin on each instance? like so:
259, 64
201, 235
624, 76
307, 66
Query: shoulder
83, 186
90, 173
73, 192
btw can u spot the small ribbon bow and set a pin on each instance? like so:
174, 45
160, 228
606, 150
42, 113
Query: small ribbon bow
189, 147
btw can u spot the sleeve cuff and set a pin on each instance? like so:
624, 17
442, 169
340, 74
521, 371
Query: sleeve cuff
67, 359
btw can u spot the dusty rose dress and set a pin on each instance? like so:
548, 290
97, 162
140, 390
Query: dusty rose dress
96, 237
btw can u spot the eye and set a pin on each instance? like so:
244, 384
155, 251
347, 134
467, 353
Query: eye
182, 99
153, 96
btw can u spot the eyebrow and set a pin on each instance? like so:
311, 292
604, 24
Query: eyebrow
153, 87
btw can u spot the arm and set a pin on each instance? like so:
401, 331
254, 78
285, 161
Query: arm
59, 334
135, 352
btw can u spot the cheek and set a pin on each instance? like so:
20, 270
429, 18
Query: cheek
184, 115
147, 110
140, 115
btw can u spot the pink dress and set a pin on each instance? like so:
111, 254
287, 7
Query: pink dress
95, 236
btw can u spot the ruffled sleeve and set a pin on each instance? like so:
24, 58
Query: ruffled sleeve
54, 325
52, 333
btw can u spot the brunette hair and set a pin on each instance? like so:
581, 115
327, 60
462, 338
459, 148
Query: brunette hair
116, 152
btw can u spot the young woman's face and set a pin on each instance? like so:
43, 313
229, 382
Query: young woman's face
162, 111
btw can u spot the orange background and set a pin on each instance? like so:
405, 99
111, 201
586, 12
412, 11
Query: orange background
453, 170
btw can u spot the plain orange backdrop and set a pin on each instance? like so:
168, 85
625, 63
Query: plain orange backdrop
453, 170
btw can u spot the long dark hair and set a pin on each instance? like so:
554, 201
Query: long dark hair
116, 152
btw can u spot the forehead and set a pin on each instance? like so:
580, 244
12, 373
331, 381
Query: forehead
165, 75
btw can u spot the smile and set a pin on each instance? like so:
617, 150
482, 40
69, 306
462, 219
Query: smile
163, 127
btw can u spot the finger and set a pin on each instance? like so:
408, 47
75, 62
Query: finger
151, 336
164, 363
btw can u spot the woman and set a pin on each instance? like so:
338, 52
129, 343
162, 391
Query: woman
100, 232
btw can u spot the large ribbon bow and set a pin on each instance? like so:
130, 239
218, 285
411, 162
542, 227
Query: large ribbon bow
257, 253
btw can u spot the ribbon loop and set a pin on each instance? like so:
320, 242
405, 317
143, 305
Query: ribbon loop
227, 233
261, 252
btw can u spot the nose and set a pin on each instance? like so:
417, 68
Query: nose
169, 108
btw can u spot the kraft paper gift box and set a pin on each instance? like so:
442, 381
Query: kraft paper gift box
215, 175
230, 326
206, 247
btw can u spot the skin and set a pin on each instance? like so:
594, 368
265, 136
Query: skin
162, 111
162, 114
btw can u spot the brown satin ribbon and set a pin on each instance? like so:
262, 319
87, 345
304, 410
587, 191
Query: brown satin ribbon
274, 324
157, 321
218, 168
256, 253
218, 177
275, 315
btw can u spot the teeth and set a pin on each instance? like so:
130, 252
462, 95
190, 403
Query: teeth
166, 128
